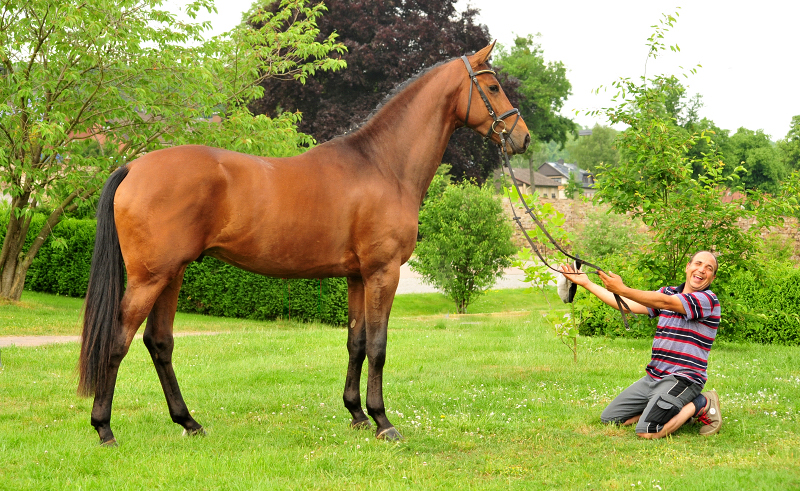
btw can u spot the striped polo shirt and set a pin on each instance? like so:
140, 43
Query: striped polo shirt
682, 342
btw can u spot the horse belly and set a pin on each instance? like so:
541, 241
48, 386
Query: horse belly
288, 252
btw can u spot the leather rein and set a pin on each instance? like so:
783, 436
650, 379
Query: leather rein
504, 133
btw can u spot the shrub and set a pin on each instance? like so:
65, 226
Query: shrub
598, 319
466, 242
757, 306
762, 308
62, 265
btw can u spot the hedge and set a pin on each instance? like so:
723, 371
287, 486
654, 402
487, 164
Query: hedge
768, 306
762, 308
216, 288
210, 286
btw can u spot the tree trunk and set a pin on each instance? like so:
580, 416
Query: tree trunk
13, 268
13, 280
14, 263
530, 169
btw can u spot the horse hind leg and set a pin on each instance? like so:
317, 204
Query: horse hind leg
159, 340
357, 349
135, 305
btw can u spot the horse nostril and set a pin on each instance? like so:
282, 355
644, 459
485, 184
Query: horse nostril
527, 142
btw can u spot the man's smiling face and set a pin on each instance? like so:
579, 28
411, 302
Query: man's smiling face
700, 272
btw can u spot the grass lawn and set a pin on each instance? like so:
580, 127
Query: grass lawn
485, 401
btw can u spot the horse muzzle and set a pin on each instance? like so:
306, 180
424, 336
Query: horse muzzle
518, 142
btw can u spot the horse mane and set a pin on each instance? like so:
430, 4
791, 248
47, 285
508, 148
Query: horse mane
402, 86
397, 90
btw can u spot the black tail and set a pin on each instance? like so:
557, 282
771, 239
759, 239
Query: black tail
101, 312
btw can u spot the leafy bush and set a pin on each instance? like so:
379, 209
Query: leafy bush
466, 242
63, 263
210, 287
760, 306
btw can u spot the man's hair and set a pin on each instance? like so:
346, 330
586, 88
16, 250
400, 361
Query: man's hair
716, 262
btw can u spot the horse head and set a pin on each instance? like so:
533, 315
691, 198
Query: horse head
496, 118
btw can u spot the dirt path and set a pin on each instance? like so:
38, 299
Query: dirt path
6, 341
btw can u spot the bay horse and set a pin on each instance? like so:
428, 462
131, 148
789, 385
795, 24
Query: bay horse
345, 208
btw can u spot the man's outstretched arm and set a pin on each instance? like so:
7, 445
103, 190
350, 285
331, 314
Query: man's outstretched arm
654, 300
603, 294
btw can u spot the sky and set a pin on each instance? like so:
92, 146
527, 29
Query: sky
748, 75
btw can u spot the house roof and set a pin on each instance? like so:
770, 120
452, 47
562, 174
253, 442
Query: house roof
540, 180
562, 169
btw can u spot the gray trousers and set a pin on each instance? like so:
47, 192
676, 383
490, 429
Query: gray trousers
657, 401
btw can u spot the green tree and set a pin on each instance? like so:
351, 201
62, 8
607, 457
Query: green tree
790, 146
603, 234
466, 242
131, 77
716, 137
573, 187
654, 182
543, 89
598, 148
754, 151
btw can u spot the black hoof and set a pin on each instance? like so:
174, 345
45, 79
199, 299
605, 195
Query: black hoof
390, 435
110, 443
363, 424
195, 432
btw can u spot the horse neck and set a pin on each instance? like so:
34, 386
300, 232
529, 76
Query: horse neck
409, 135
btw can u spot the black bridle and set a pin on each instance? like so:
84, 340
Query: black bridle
497, 119
503, 134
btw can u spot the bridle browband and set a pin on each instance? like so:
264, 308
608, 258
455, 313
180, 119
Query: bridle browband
473, 75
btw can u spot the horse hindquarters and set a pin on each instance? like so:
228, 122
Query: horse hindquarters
112, 318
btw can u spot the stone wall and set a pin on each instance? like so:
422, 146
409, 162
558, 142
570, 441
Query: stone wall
575, 214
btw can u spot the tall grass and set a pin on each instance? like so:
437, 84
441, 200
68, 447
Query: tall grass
484, 401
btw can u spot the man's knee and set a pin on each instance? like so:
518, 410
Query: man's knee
651, 436
609, 416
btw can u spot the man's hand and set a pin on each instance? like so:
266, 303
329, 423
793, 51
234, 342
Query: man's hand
580, 278
612, 282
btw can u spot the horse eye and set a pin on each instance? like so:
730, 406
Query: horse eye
494, 89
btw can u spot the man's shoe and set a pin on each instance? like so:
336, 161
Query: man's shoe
711, 416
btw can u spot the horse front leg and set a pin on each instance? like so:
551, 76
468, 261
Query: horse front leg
357, 350
380, 289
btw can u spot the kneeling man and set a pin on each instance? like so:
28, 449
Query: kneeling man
688, 316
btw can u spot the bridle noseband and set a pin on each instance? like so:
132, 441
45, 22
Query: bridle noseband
497, 119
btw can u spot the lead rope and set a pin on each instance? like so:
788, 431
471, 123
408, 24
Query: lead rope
621, 305
502, 134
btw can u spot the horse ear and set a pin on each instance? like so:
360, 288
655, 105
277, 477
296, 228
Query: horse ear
481, 56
